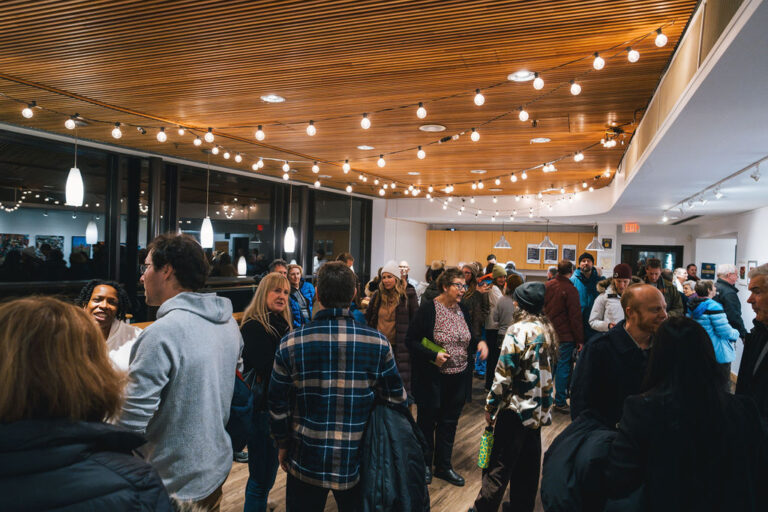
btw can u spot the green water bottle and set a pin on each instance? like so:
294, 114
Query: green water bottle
486, 445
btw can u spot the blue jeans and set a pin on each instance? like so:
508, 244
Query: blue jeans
563, 372
262, 464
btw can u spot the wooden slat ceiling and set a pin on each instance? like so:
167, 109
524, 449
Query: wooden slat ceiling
207, 63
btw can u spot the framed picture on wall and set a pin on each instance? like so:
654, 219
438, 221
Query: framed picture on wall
569, 253
750, 265
708, 270
532, 254
12, 242
55, 241
79, 245
550, 256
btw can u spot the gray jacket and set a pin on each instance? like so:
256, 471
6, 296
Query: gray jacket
503, 314
607, 307
182, 376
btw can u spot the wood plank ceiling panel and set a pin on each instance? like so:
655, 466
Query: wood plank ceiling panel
207, 63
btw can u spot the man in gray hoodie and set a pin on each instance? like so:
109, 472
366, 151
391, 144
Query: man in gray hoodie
182, 374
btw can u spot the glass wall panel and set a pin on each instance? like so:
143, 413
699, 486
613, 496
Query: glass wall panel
331, 230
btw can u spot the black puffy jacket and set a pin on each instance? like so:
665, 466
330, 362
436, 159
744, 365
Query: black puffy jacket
392, 473
75, 466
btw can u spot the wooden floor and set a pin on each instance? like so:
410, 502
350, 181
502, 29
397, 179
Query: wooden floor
444, 497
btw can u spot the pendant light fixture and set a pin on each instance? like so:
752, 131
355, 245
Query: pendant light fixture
547, 243
91, 233
242, 266
75, 189
502, 243
206, 230
594, 245
289, 241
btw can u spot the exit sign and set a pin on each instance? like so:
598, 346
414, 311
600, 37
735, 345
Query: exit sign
631, 227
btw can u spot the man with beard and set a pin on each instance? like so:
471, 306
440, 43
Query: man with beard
671, 295
585, 279
612, 365
753, 371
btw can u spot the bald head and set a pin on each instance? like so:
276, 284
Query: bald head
644, 307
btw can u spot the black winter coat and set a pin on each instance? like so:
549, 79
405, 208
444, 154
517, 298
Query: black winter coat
610, 368
405, 312
750, 382
80, 466
392, 477
728, 296
259, 347
425, 380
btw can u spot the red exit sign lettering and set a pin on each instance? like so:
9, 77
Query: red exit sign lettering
631, 227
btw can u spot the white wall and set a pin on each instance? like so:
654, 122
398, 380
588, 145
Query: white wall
397, 240
715, 250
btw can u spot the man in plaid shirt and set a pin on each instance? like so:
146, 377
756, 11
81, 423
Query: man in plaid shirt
326, 377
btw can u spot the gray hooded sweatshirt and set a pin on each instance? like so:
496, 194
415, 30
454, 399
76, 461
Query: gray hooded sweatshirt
182, 377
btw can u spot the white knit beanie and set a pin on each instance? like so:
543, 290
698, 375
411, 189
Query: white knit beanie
392, 268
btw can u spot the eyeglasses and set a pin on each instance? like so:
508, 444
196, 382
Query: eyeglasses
460, 286
143, 268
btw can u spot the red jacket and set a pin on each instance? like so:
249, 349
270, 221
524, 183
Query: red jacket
561, 305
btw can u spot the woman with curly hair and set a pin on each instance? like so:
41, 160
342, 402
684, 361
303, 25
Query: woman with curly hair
107, 303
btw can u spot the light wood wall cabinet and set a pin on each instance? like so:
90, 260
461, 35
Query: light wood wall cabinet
455, 246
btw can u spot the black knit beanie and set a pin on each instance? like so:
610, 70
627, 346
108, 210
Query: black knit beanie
530, 296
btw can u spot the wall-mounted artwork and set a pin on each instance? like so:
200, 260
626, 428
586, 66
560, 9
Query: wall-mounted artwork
79, 245
550, 256
55, 241
569, 253
12, 242
532, 254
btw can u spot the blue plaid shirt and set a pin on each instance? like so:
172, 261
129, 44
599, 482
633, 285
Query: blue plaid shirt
323, 388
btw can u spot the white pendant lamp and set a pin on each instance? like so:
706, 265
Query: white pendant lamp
91, 233
502, 243
242, 266
74, 190
206, 230
594, 245
289, 241
547, 243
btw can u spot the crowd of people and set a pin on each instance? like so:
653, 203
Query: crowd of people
104, 415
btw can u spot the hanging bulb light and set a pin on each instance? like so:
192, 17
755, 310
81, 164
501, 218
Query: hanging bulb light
242, 266
286, 167
430, 189
513, 178
27, 112
260, 163
91, 233
538, 82
421, 154
311, 130
365, 123
317, 183
238, 158
479, 98
562, 190
540, 195
599, 62
255, 166
497, 181
376, 182
474, 185
215, 150
116, 132
495, 199
315, 168
382, 191
74, 189
209, 135
161, 135
198, 141
69, 124
575, 88
584, 184
260, 135
349, 188
286, 176
226, 155
206, 230
475, 136
523, 114
480, 184
578, 157
181, 131
633, 55
661, 38
421, 112
381, 162
346, 167
524, 175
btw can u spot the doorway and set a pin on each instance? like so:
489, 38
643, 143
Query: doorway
635, 256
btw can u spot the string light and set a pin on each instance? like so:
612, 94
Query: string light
421, 154
479, 98
311, 130
661, 38
349, 189
480, 185
260, 135
346, 167
497, 181
69, 124
472, 200
664, 218
181, 131
421, 112
27, 112
238, 158
599, 62
382, 191
255, 166
198, 141
381, 162
376, 181
315, 168
578, 157
495, 199
286, 176
523, 114
513, 178
474, 185
116, 132
475, 136
538, 82
226, 155
365, 123
286, 167
633, 55
575, 88
591, 189
161, 136
209, 135
260, 163
524, 175
584, 184
317, 183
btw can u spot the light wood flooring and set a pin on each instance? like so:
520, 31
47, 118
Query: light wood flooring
444, 497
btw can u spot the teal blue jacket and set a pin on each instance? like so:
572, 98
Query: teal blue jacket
711, 316
587, 288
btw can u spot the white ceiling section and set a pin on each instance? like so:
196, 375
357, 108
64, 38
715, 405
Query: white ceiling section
719, 127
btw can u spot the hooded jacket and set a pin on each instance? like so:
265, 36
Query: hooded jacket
64, 465
671, 297
710, 315
587, 288
607, 307
561, 305
308, 292
182, 377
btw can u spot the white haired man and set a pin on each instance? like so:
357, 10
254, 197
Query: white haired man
753, 371
728, 296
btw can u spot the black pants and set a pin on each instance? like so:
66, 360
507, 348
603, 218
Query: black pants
303, 497
439, 423
515, 460
494, 351
725, 369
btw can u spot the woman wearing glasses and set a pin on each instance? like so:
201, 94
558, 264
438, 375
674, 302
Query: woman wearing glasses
441, 344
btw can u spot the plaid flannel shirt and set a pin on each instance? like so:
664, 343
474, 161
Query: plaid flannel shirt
321, 394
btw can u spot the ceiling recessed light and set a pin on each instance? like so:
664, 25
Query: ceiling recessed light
432, 128
478, 171
365, 147
521, 76
414, 173
495, 189
540, 140
272, 98
326, 176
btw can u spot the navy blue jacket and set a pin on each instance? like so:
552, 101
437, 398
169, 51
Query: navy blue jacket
728, 296
308, 292
58, 464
